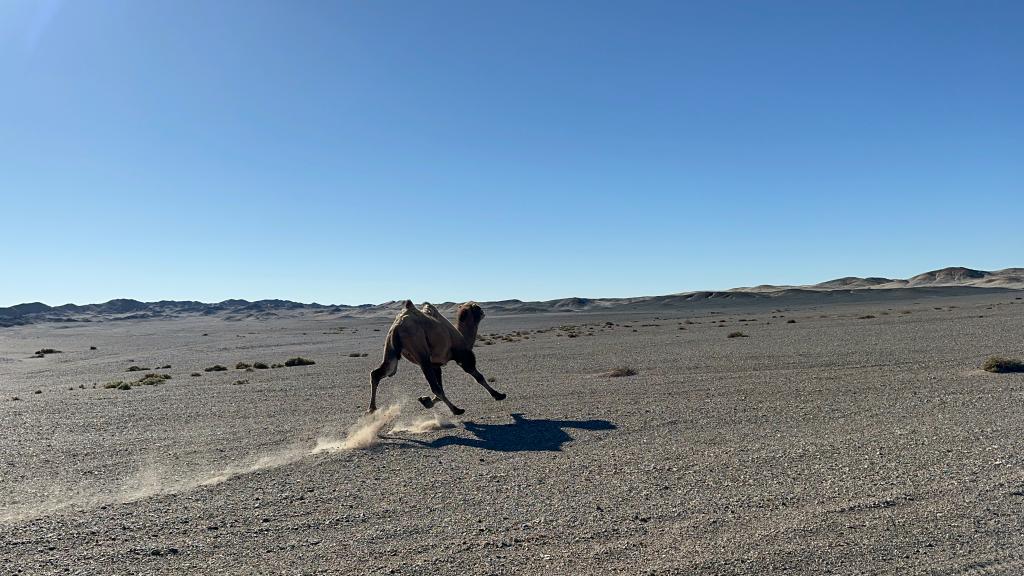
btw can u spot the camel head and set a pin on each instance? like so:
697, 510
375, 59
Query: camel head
469, 316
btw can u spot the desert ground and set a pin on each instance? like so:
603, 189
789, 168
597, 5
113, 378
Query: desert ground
839, 436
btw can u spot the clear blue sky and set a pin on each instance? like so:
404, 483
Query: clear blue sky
352, 152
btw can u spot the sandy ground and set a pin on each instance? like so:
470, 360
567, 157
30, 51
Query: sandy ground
836, 444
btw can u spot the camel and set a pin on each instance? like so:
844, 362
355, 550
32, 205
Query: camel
429, 340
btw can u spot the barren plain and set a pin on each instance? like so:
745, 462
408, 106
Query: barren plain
839, 435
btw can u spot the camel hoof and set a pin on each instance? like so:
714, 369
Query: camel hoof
498, 396
371, 409
426, 401
458, 411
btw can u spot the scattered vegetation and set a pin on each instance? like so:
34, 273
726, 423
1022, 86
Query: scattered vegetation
865, 317
354, 355
196, 374
1000, 364
620, 372
239, 382
242, 366
152, 379
15, 398
38, 392
137, 369
165, 367
48, 351
92, 347
215, 368
298, 361
276, 365
260, 366
737, 335
790, 321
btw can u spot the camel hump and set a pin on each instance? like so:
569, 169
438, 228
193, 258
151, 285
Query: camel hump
409, 305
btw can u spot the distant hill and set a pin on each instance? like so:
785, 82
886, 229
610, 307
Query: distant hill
1012, 278
934, 282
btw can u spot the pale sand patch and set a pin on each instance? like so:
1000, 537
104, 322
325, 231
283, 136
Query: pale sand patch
362, 434
428, 423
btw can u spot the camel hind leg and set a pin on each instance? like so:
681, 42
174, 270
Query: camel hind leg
388, 367
433, 374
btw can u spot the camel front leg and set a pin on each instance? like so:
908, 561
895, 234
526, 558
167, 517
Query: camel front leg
469, 365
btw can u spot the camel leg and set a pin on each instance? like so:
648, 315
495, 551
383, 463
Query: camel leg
433, 375
387, 369
468, 364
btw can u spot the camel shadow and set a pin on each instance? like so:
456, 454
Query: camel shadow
522, 435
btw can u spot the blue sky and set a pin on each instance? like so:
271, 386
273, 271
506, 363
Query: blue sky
352, 152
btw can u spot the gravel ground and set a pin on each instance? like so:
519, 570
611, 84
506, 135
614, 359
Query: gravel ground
835, 444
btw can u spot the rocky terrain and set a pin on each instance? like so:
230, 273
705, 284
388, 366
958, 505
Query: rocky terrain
846, 432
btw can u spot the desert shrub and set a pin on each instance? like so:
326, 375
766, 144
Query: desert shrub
242, 366
115, 384
92, 347
15, 399
239, 382
215, 368
260, 366
298, 361
276, 365
736, 335
790, 321
48, 351
124, 386
164, 367
38, 392
152, 379
1001, 364
354, 355
137, 369
196, 374
865, 317
620, 372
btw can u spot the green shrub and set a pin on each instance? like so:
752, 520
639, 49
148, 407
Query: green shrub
298, 361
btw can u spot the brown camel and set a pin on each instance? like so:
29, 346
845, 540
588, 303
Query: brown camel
429, 340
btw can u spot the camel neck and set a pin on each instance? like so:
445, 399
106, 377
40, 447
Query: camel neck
468, 331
